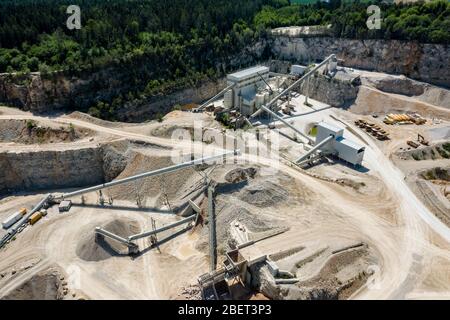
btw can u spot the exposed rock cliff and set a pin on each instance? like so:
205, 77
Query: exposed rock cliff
40, 94
57, 91
149, 108
47, 93
340, 90
59, 169
426, 62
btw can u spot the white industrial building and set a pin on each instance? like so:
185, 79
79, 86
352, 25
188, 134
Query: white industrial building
248, 89
297, 70
343, 148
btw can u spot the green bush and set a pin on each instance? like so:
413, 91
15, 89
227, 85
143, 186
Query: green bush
446, 146
31, 124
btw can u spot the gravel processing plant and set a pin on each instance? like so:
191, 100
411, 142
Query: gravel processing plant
263, 191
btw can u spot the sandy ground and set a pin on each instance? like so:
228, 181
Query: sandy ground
411, 246
117, 277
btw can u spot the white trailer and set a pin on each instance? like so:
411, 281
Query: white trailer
12, 219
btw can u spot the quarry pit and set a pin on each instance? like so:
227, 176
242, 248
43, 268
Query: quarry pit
326, 230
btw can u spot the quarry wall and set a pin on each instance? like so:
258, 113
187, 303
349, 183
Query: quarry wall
162, 104
337, 91
58, 92
49, 93
424, 62
38, 170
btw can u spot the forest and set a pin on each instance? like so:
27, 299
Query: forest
426, 22
165, 45
184, 36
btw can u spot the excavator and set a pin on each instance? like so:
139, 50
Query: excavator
422, 140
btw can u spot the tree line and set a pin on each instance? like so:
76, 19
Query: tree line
159, 46
426, 22
185, 36
182, 35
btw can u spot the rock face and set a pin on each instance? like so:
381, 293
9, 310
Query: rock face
162, 104
45, 285
40, 93
425, 62
58, 169
403, 86
57, 91
49, 93
340, 90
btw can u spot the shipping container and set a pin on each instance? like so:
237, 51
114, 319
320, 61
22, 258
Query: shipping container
12, 219
35, 217
8, 222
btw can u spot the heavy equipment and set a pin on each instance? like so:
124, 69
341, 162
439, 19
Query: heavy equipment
422, 140
412, 144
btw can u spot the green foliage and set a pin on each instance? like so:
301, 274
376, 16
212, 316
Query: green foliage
155, 47
446, 146
444, 152
426, 22
71, 128
31, 124
170, 39
224, 118
102, 110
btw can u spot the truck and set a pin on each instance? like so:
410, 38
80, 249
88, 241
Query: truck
12, 219
35, 217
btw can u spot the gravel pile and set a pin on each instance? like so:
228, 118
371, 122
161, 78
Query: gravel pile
264, 194
239, 174
90, 250
45, 285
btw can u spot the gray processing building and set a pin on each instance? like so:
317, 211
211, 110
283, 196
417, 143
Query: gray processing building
248, 90
343, 148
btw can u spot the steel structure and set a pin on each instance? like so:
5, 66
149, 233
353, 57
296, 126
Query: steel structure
11, 233
111, 235
316, 147
286, 123
50, 197
297, 82
166, 227
149, 174
212, 228
203, 106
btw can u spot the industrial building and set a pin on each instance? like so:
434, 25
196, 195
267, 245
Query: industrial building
343, 148
298, 70
330, 140
248, 89
65, 205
